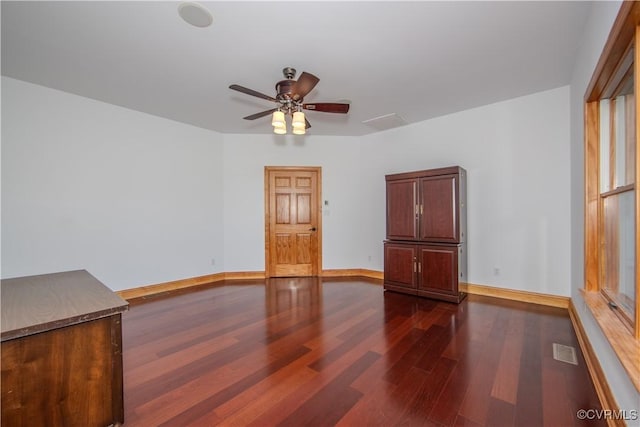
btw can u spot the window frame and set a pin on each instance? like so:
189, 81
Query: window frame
613, 66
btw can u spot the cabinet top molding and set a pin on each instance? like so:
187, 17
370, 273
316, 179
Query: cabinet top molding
430, 172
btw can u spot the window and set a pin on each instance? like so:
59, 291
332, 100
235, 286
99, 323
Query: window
611, 189
617, 140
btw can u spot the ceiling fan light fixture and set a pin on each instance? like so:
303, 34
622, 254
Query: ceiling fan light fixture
298, 120
278, 119
299, 131
280, 130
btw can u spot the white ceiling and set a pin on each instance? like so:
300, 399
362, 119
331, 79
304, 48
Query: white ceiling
416, 59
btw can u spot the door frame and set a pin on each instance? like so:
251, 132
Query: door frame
317, 263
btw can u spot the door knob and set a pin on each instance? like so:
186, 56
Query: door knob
312, 229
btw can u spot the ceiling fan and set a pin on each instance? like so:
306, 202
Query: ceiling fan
289, 98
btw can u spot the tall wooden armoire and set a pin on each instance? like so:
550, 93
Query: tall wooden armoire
425, 252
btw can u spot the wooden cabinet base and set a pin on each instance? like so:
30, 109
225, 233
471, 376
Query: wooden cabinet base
449, 298
70, 376
425, 270
433, 295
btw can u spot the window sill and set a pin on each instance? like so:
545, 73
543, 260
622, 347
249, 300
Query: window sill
626, 347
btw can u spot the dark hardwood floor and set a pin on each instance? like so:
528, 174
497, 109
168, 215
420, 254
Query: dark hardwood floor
309, 352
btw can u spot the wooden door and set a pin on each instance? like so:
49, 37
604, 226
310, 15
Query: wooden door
439, 209
402, 212
293, 223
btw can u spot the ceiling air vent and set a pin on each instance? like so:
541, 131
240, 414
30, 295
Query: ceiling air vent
388, 121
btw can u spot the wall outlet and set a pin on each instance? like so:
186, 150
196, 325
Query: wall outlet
496, 271
213, 261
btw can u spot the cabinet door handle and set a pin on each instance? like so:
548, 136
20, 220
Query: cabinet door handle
419, 267
415, 268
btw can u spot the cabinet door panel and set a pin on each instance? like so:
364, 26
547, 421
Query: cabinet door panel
439, 209
438, 269
401, 209
400, 264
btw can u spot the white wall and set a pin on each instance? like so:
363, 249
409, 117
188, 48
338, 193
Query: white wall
516, 154
134, 199
245, 157
137, 199
596, 32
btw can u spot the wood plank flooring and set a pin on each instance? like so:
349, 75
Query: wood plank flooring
311, 352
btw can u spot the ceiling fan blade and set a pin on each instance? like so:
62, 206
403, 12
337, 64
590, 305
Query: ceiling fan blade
304, 85
252, 92
307, 125
260, 114
327, 107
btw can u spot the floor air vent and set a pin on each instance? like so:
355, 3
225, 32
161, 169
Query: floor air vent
564, 353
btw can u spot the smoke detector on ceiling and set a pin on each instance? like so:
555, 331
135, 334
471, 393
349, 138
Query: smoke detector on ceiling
195, 14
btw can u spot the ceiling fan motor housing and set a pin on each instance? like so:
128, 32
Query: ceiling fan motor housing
283, 89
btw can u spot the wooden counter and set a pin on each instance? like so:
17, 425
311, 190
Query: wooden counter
61, 351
